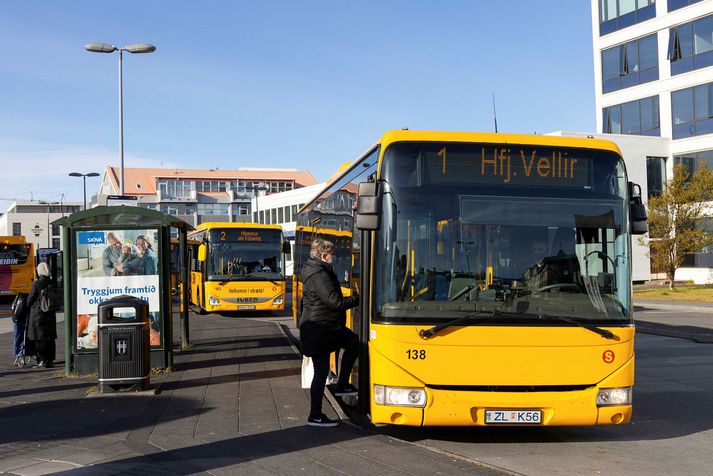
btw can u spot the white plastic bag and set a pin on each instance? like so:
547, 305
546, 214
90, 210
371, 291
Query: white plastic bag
307, 372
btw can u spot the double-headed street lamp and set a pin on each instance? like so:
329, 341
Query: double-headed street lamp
135, 48
84, 177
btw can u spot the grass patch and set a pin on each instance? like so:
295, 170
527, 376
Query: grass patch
682, 293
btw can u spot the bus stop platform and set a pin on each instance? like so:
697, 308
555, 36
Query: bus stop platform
233, 404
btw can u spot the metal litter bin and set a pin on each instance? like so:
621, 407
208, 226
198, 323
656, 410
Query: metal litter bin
124, 352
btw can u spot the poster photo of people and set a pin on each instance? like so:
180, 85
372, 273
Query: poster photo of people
112, 263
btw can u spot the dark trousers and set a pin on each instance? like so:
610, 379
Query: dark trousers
350, 343
45, 350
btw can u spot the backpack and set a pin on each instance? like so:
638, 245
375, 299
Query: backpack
19, 309
49, 300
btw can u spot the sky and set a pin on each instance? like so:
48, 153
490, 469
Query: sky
289, 84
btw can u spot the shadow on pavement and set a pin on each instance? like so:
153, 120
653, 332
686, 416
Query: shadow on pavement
226, 453
219, 379
249, 359
86, 417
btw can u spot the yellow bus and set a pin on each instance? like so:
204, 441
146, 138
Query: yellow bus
342, 263
17, 265
495, 278
237, 267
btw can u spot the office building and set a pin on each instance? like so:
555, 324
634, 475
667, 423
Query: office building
33, 220
653, 67
198, 196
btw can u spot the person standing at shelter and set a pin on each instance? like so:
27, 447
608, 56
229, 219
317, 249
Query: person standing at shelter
323, 327
42, 325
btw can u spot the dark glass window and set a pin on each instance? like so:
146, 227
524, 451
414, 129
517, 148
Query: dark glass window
55, 230
655, 175
617, 14
690, 46
692, 111
56, 243
676, 4
630, 64
640, 117
694, 161
17, 229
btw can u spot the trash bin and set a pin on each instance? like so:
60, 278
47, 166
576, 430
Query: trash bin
124, 352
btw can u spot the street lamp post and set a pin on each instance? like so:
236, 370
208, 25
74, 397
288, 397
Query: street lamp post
84, 178
257, 191
106, 48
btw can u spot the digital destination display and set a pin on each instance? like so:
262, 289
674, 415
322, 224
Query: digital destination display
509, 165
244, 235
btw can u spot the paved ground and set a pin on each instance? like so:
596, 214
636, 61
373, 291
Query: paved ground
233, 405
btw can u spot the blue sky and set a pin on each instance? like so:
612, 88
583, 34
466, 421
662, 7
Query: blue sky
303, 84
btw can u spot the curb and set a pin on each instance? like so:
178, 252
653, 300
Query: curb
701, 335
642, 306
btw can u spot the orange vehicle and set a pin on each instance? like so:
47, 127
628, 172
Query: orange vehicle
17, 265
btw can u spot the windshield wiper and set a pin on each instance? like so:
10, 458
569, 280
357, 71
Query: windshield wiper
428, 333
607, 334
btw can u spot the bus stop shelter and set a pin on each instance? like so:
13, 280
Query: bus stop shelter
120, 250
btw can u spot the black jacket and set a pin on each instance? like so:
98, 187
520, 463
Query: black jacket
40, 325
323, 308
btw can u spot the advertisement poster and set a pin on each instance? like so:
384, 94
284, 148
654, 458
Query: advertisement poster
112, 263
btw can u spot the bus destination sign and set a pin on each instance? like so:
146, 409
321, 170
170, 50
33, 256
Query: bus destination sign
512, 165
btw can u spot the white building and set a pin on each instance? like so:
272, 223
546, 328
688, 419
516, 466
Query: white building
33, 220
653, 66
281, 209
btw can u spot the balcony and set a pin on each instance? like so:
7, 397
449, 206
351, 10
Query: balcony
183, 197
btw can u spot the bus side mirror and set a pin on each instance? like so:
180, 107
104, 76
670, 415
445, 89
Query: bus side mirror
368, 207
637, 211
286, 247
201, 253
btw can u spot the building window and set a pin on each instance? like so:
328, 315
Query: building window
704, 258
617, 14
56, 243
639, 117
280, 215
692, 111
243, 209
294, 211
262, 216
630, 64
288, 217
690, 46
273, 216
694, 161
17, 229
212, 208
676, 4
655, 175
56, 230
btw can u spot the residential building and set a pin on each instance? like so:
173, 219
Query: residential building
33, 220
197, 196
653, 67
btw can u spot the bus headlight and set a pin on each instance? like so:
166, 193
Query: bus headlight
277, 301
399, 396
213, 301
614, 396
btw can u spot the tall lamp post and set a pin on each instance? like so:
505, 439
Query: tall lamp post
257, 190
106, 48
84, 178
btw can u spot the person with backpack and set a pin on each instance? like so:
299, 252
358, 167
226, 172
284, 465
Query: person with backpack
22, 348
42, 324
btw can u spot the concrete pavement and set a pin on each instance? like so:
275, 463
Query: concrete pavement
686, 320
232, 405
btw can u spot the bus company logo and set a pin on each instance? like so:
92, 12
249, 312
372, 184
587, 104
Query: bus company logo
91, 238
608, 356
246, 299
9, 261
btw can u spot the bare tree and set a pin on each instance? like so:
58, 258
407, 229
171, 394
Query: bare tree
675, 218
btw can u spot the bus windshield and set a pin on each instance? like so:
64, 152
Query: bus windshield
516, 233
244, 254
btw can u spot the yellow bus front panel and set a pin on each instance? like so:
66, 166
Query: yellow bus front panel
251, 296
557, 372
